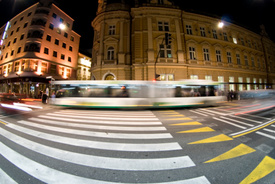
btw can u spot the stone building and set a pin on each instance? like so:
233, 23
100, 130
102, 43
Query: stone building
37, 43
129, 44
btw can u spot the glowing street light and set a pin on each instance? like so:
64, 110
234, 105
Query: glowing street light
62, 26
221, 24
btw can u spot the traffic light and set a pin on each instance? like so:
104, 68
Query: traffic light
168, 39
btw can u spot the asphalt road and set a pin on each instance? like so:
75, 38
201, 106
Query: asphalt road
227, 144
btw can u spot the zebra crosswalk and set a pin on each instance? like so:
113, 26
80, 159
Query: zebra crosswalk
67, 145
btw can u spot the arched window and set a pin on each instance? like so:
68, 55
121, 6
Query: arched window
110, 53
109, 77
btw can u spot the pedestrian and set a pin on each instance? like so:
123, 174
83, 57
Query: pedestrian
44, 98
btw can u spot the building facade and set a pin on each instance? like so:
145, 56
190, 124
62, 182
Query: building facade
129, 44
36, 44
84, 67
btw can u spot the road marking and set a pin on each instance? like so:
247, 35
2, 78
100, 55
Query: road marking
188, 123
240, 150
238, 117
198, 130
3, 122
255, 110
177, 115
218, 138
269, 130
4, 178
215, 112
35, 169
103, 127
154, 164
100, 145
88, 121
103, 118
95, 134
263, 169
243, 107
230, 123
253, 129
174, 119
198, 113
237, 121
266, 135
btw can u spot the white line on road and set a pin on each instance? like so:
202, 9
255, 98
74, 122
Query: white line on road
230, 123
214, 112
198, 113
4, 178
101, 121
36, 169
245, 119
155, 164
102, 127
268, 130
237, 121
93, 133
266, 135
99, 145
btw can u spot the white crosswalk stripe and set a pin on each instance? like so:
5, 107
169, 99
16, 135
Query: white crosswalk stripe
110, 131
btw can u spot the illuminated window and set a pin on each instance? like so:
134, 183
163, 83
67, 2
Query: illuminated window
33, 65
16, 66
109, 77
44, 67
235, 40
165, 51
208, 77
195, 77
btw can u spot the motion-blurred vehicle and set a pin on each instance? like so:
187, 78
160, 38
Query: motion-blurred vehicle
136, 94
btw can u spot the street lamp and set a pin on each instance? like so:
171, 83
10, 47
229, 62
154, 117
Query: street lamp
221, 24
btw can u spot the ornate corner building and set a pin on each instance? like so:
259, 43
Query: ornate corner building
129, 44
36, 45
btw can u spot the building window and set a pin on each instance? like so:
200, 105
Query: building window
110, 53
34, 65
225, 37
16, 66
24, 65
165, 51
70, 48
56, 42
258, 63
248, 86
46, 50
163, 26
25, 25
48, 38
62, 57
167, 77
215, 36
192, 53
15, 39
112, 30
252, 61
12, 52
221, 79
51, 26
109, 77
54, 54
22, 37
235, 40
54, 15
189, 29
194, 77
203, 31
238, 59
206, 54
69, 59
240, 80
19, 50
229, 58
44, 67
72, 38
66, 35
231, 86
218, 56
64, 45
208, 77
242, 41
246, 60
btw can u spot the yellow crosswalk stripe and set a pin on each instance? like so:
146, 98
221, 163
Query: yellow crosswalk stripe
179, 119
188, 123
198, 130
3, 123
240, 150
176, 115
218, 138
264, 168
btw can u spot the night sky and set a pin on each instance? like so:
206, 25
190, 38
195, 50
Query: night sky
247, 13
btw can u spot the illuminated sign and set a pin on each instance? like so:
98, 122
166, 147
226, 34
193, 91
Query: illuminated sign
85, 62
